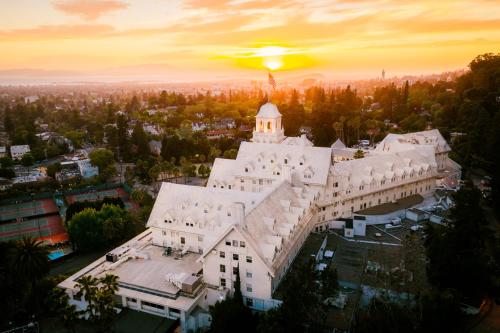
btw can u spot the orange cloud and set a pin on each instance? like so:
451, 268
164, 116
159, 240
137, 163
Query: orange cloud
48, 32
89, 9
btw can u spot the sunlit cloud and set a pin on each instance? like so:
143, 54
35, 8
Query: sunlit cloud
236, 35
88, 9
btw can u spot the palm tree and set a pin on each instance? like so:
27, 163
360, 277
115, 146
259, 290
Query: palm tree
110, 283
29, 260
87, 287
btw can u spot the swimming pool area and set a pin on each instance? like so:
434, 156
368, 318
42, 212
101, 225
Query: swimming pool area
56, 254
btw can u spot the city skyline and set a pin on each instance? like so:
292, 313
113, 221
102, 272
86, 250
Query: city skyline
200, 40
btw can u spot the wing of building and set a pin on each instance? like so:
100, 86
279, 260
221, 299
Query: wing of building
254, 215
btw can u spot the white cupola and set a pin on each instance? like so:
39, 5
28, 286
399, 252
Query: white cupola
268, 127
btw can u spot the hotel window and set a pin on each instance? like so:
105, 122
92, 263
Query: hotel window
249, 259
242, 244
286, 160
242, 180
183, 240
222, 282
164, 232
228, 243
222, 254
153, 305
200, 238
235, 270
249, 275
222, 268
229, 186
246, 169
131, 300
235, 256
249, 287
249, 302
235, 243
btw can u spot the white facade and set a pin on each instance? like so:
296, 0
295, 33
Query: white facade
17, 152
253, 217
3, 151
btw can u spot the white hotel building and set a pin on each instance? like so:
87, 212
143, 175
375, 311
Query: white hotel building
254, 215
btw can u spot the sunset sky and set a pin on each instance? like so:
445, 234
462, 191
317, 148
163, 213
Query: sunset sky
200, 39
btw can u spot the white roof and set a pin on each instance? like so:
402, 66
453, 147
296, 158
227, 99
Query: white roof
400, 142
265, 160
19, 149
375, 167
271, 226
222, 172
211, 210
269, 110
297, 141
338, 144
267, 219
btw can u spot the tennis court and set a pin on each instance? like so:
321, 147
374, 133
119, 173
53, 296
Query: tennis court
27, 209
44, 228
95, 195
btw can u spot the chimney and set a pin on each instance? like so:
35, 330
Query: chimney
286, 173
238, 212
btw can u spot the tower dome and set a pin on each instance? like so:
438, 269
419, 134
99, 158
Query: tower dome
269, 110
268, 128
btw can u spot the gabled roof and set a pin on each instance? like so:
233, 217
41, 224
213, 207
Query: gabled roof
338, 144
270, 240
222, 171
399, 142
318, 158
298, 141
382, 164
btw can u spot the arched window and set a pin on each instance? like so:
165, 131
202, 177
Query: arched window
268, 125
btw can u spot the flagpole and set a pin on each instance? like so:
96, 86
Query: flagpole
268, 88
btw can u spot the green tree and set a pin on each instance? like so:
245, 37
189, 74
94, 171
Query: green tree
140, 141
231, 315
60, 307
6, 162
27, 159
230, 153
104, 160
30, 260
53, 168
359, 154
99, 294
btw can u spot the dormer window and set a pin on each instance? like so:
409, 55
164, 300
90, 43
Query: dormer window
246, 169
286, 161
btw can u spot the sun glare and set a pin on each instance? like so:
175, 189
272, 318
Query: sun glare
271, 51
271, 57
272, 63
